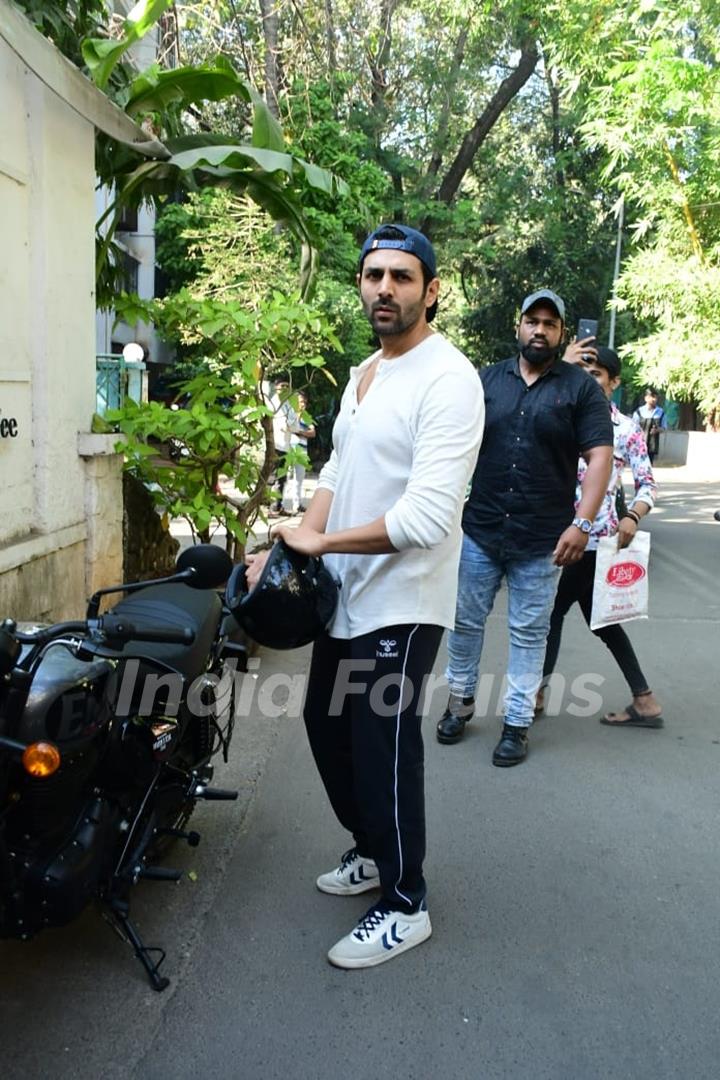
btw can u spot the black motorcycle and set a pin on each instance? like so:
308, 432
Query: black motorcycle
107, 730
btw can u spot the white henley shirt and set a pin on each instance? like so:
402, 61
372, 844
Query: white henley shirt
407, 452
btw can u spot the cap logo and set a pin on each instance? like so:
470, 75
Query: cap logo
406, 244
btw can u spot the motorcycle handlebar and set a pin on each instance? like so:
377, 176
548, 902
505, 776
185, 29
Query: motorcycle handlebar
45, 633
121, 630
111, 627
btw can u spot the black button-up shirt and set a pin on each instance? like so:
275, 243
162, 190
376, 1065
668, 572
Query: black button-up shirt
523, 489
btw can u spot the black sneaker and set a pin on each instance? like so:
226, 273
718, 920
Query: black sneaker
512, 747
451, 725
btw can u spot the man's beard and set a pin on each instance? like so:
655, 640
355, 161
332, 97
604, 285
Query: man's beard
404, 319
539, 354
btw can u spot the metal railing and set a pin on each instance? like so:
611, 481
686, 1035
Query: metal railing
112, 381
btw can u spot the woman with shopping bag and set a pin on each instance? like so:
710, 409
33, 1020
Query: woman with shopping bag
577, 581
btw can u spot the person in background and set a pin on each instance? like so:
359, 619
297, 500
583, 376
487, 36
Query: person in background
300, 432
576, 581
652, 420
283, 420
518, 522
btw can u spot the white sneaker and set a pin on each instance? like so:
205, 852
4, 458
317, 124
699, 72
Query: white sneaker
354, 875
381, 934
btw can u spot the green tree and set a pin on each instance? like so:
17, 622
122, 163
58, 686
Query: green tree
221, 425
656, 116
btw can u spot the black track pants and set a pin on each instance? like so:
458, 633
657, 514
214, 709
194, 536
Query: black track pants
367, 743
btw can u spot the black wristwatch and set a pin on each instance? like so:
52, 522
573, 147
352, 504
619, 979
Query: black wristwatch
583, 524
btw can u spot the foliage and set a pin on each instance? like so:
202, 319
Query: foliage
657, 118
546, 223
680, 298
176, 223
67, 22
221, 424
412, 104
256, 163
101, 55
233, 248
261, 169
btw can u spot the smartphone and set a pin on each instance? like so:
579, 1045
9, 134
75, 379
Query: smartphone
587, 328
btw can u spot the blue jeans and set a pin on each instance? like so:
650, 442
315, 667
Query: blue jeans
532, 584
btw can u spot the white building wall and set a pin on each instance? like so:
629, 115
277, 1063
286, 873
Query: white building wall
47, 348
140, 244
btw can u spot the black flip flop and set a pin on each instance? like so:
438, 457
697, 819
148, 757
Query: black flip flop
634, 719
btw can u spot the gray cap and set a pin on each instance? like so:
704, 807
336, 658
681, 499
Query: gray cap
544, 294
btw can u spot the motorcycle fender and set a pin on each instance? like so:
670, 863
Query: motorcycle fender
59, 889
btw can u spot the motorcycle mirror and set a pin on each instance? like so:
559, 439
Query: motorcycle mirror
9, 650
205, 566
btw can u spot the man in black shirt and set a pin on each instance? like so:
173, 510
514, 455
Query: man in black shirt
520, 521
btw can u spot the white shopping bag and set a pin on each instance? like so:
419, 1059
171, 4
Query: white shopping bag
620, 591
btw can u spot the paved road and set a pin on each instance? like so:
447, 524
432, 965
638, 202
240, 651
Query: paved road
574, 899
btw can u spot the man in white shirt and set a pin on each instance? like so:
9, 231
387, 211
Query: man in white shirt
283, 420
386, 519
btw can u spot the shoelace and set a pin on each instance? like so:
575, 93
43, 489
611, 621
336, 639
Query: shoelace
370, 920
349, 857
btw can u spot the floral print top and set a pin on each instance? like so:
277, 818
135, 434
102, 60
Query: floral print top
630, 450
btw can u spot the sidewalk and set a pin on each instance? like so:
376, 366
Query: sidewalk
572, 898
180, 529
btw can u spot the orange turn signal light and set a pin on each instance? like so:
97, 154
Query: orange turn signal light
41, 759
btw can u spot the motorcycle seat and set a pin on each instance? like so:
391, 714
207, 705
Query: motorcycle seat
178, 607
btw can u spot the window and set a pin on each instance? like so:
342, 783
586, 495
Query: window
129, 220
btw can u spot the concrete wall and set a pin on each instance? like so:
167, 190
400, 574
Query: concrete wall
47, 354
699, 450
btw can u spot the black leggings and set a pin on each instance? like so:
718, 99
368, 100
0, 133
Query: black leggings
576, 585
368, 746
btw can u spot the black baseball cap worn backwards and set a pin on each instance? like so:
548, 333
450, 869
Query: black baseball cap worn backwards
405, 239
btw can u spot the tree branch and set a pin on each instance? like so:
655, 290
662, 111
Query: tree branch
687, 212
379, 62
554, 95
444, 118
484, 124
330, 39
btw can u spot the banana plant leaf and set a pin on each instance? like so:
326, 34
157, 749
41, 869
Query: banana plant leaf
155, 90
102, 54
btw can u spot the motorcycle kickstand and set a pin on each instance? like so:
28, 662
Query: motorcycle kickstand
120, 917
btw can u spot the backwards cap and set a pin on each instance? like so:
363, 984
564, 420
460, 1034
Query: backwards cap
409, 240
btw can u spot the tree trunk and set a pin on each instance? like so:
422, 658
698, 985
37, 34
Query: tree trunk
554, 94
442, 135
271, 23
484, 124
330, 40
378, 65
247, 513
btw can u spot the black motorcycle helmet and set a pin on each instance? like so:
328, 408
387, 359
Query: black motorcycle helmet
292, 603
